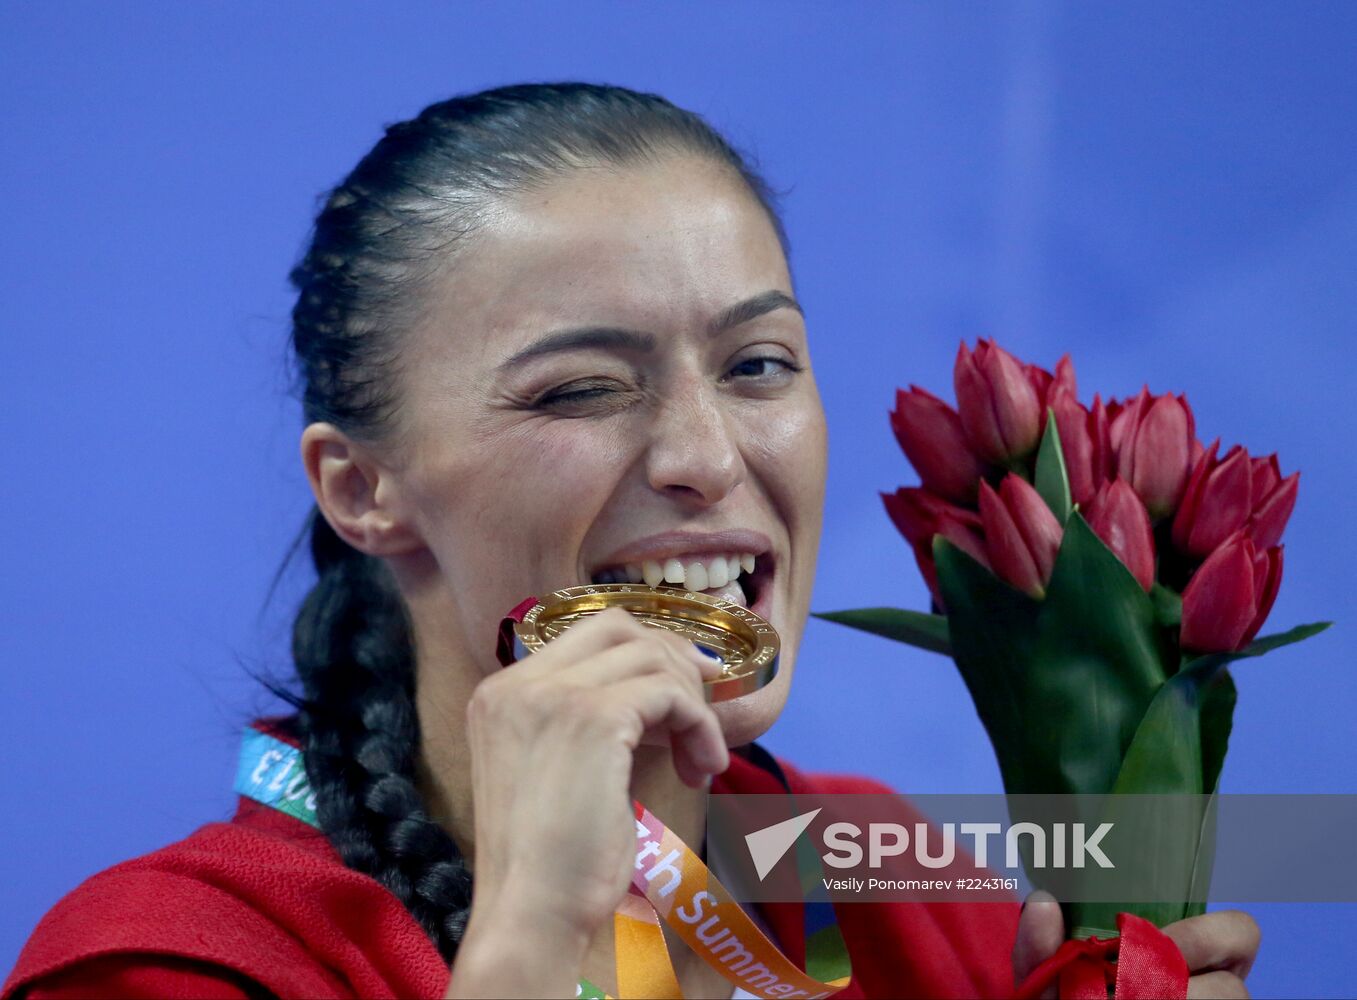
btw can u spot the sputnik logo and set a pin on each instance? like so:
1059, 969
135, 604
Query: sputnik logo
767, 846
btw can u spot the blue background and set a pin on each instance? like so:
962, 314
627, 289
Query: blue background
1167, 191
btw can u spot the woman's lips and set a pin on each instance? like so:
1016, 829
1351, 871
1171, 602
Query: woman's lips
685, 546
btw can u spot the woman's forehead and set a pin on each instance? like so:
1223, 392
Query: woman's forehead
663, 246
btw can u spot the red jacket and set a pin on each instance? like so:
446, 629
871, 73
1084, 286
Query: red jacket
263, 904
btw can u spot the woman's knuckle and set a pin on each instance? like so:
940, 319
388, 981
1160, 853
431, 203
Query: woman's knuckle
610, 722
575, 702
484, 698
1218, 985
1253, 934
619, 623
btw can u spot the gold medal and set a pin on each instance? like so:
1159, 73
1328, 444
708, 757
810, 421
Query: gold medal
745, 644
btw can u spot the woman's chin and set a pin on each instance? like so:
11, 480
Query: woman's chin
745, 719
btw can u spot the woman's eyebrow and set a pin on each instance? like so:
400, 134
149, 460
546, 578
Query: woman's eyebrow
577, 338
753, 308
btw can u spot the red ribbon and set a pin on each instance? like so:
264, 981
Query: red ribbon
504, 640
1142, 963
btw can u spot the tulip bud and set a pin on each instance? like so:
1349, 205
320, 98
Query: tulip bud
1267, 580
1099, 430
1153, 439
1022, 536
930, 433
1076, 443
1064, 376
1044, 383
919, 515
999, 407
1119, 518
1041, 381
1216, 503
1273, 500
1230, 595
1266, 477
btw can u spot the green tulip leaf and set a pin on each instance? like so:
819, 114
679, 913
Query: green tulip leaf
1177, 751
1258, 647
1168, 605
1052, 478
1218, 697
992, 630
1165, 755
1205, 858
1088, 655
1217, 718
914, 628
1099, 660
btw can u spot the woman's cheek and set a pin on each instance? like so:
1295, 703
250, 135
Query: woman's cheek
790, 440
580, 457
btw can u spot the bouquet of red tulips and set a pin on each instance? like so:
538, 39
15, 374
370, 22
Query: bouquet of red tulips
1094, 570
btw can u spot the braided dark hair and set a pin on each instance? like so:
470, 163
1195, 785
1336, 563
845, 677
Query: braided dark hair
383, 232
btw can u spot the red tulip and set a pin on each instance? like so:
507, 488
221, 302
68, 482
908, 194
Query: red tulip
1217, 502
919, 515
1267, 580
1100, 428
1022, 536
1041, 381
1044, 383
1153, 438
1064, 376
1230, 595
1273, 500
929, 432
1119, 518
999, 406
1084, 442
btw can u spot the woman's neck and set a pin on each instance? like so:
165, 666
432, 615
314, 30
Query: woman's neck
657, 786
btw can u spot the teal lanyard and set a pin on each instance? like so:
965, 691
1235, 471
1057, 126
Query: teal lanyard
271, 773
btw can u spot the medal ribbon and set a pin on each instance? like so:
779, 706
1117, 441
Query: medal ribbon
722, 934
670, 883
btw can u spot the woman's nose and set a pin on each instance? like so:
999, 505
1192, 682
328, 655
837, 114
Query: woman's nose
694, 452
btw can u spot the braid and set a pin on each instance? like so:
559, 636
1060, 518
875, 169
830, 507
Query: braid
400, 217
359, 731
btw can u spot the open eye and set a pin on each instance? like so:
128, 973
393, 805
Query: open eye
763, 367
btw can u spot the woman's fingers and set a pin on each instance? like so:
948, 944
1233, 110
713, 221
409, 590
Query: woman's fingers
605, 631
665, 705
576, 645
641, 655
1226, 940
1216, 986
1041, 929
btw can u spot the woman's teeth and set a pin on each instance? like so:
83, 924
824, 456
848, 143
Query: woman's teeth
709, 573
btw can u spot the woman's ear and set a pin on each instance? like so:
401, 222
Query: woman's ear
355, 493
